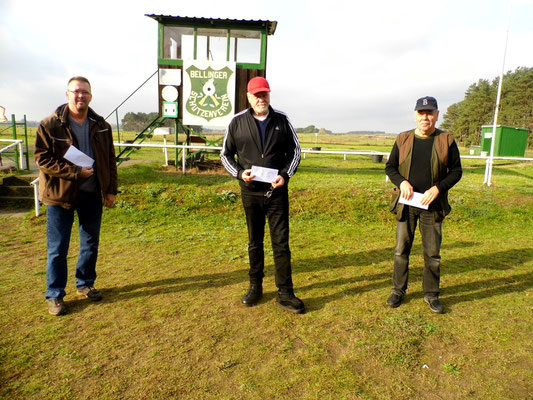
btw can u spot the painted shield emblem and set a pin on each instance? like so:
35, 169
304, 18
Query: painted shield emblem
209, 98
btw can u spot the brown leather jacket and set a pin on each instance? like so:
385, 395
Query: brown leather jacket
58, 178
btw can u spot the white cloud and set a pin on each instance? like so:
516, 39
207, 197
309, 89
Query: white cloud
336, 64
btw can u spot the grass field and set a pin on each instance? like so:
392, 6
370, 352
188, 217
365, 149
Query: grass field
173, 268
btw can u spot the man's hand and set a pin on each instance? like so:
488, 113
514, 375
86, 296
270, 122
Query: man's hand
406, 190
430, 195
247, 175
278, 182
109, 200
86, 172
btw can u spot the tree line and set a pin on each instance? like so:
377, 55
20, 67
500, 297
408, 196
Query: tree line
312, 129
464, 119
136, 122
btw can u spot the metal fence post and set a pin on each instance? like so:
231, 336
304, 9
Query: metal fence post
26, 139
118, 129
35, 184
183, 157
14, 124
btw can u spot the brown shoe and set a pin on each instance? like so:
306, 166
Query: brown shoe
90, 292
56, 307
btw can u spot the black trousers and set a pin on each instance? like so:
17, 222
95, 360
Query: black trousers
257, 207
431, 233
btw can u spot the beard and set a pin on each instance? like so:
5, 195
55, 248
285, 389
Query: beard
261, 108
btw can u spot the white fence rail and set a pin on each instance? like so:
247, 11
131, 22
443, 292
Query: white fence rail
219, 148
35, 183
345, 153
18, 144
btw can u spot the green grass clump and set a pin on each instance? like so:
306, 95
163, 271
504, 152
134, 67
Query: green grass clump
173, 267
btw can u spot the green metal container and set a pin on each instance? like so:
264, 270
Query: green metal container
510, 142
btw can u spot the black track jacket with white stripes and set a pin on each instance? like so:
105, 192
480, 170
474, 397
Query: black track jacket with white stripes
281, 150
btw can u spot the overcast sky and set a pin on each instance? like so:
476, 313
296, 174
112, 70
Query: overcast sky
340, 65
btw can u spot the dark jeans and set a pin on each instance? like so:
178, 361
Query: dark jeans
276, 209
59, 223
431, 233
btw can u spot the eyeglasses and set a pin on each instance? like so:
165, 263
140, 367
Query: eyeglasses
82, 92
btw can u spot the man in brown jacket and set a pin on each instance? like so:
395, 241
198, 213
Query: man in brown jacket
66, 187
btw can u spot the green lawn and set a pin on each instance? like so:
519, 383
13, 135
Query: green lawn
173, 268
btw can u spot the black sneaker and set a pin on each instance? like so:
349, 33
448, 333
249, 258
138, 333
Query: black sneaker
56, 306
394, 300
253, 295
288, 301
434, 305
90, 292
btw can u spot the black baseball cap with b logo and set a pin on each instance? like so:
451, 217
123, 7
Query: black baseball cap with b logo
426, 103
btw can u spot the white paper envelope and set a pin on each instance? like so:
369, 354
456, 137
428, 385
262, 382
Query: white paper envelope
78, 158
414, 201
263, 174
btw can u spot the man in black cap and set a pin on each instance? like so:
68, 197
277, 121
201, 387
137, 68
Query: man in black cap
261, 140
424, 164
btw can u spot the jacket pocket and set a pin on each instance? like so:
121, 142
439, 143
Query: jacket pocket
395, 196
60, 145
60, 191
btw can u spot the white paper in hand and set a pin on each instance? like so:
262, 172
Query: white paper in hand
414, 201
264, 174
78, 158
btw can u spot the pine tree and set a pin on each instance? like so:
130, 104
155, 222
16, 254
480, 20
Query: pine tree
464, 119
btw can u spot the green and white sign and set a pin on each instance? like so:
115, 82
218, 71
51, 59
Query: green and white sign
170, 109
208, 93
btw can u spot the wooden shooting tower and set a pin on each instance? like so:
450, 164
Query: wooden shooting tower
181, 39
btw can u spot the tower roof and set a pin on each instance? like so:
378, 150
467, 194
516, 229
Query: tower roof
214, 22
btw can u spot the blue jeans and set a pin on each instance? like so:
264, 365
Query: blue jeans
59, 223
431, 234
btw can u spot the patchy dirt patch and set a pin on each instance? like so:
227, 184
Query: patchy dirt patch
200, 167
15, 213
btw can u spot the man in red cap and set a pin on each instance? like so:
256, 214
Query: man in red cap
263, 140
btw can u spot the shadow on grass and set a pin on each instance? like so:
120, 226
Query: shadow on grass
359, 283
482, 289
503, 260
500, 260
477, 290
364, 258
359, 259
378, 281
171, 285
161, 287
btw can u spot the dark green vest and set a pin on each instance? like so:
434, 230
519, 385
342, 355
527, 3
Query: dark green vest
439, 169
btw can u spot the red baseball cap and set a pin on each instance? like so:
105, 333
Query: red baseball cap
258, 84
